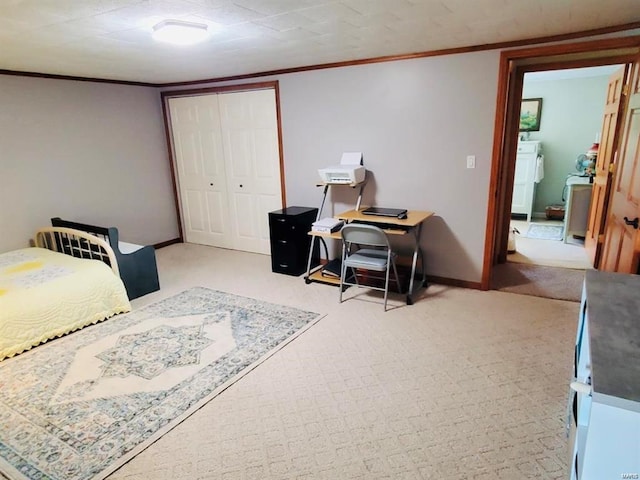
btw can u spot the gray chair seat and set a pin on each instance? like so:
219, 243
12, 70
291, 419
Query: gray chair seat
369, 259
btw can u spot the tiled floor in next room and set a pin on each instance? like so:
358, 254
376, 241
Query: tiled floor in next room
554, 253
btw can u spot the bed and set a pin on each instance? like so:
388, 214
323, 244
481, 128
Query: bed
137, 263
69, 280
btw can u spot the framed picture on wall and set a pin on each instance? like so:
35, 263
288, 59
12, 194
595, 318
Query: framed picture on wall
530, 111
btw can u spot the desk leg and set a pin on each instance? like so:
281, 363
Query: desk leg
326, 255
422, 261
417, 252
313, 242
306, 278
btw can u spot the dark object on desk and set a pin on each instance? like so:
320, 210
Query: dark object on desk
138, 269
290, 242
386, 212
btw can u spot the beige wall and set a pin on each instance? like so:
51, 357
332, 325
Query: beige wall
90, 152
415, 122
96, 152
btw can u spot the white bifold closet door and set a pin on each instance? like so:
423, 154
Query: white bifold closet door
228, 167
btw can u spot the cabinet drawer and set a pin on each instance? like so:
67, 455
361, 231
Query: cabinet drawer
291, 257
288, 246
287, 269
286, 254
285, 227
287, 258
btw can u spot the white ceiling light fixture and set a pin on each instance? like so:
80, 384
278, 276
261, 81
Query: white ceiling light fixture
178, 32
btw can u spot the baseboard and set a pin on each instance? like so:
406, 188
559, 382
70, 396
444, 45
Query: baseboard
454, 282
534, 216
167, 243
539, 216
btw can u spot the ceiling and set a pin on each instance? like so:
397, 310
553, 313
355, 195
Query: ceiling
110, 39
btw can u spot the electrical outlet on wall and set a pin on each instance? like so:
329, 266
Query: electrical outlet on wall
471, 161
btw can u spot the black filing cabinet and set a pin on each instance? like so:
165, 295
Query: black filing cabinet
290, 241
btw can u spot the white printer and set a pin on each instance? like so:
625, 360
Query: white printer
349, 171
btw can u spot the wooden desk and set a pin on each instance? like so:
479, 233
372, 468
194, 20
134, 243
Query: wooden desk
397, 226
413, 220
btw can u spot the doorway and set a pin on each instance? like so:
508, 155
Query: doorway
513, 66
571, 110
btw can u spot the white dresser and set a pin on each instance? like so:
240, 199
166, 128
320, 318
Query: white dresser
604, 402
524, 179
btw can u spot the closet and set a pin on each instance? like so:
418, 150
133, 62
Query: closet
226, 158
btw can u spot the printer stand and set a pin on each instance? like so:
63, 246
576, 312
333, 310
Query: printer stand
316, 274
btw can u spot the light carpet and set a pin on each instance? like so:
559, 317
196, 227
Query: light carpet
542, 231
79, 407
462, 384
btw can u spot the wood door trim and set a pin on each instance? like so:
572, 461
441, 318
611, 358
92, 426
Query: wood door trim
541, 55
497, 195
515, 63
166, 117
283, 190
240, 87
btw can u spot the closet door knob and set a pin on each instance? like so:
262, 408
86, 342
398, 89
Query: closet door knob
241, 185
633, 223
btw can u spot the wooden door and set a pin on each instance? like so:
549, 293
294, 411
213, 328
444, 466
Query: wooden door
252, 160
200, 170
613, 111
621, 249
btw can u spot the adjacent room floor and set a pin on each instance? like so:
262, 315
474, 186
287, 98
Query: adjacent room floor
551, 253
549, 267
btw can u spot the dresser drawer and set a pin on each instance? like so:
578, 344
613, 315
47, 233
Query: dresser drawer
528, 147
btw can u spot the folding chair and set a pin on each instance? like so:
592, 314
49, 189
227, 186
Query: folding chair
366, 247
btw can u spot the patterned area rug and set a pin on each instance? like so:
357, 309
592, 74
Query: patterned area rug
542, 231
79, 407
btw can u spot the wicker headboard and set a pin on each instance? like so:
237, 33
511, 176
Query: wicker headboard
78, 244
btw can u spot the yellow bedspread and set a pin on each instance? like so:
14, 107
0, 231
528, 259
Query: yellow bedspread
45, 294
